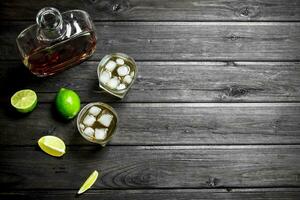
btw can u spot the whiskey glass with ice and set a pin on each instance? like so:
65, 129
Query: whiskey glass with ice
97, 122
116, 73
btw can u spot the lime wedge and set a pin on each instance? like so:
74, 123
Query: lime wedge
89, 182
52, 145
24, 101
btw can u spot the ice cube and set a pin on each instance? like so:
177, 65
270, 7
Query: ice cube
121, 86
120, 61
101, 133
105, 76
89, 131
89, 120
110, 65
95, 110
81, 126
132, 74
123, 70
113, 83
105, 119
127, 79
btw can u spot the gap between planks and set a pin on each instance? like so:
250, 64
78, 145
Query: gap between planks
176, 23
188, 189
205, 104
166, 147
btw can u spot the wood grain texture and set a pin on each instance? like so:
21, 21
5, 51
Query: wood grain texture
167, 194
169, 82
163, 124
153, 167
184, 130
187, 41
162, 10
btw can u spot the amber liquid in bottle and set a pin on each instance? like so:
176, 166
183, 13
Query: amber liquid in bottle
50, 60
57, 41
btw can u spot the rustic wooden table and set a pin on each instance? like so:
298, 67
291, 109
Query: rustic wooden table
213, 114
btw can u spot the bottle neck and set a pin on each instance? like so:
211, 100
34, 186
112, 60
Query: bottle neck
50, 24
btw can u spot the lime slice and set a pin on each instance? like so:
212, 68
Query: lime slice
89, 182
24, 101
52, 145
67, 103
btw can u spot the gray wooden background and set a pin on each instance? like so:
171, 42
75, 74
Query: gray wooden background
213, 114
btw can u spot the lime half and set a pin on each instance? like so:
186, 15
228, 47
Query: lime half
24, 101
89, 182
52, 145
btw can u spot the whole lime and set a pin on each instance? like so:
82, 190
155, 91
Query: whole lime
67, 103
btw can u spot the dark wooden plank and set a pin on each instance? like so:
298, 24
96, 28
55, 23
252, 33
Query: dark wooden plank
149, 124
153, 10
153, 167
167, 194
184, 40
169, 82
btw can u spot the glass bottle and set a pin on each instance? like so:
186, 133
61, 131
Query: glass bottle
57, 41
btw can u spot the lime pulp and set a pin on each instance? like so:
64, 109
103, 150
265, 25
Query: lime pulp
24, 101
89, 182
